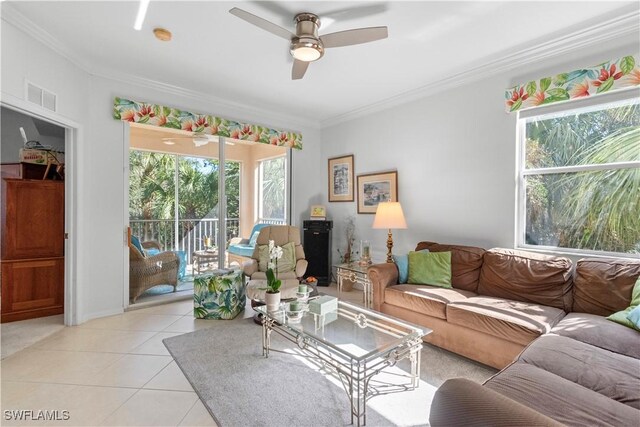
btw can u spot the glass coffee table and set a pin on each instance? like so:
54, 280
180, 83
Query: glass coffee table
357, 343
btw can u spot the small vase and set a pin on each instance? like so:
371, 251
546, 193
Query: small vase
273, 301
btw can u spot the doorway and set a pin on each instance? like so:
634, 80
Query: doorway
193, 195
37, 201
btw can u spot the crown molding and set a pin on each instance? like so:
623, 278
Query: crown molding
617, 27
620, 26
12, 16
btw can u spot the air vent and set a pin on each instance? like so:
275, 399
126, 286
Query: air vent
41, 97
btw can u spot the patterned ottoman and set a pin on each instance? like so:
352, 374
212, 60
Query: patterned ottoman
219, 295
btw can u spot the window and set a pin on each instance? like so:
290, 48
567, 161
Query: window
272, 194
579, 179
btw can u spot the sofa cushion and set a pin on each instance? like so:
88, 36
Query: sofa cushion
528, 277
561, 399
603, 286
430, 268
466, 262
429, 300
600, 332
515, 321
610, 374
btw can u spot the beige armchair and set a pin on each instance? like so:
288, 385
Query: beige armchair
280, 234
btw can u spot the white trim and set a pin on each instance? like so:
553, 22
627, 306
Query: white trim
20, 21
554, 250
126, 132
581, 168
619, 26
73, 258
103, 313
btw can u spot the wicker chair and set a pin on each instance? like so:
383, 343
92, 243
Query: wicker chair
147, 272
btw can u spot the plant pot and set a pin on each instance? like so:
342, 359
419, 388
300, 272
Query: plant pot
273, 301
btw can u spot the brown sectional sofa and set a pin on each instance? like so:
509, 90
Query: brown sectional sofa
577, 368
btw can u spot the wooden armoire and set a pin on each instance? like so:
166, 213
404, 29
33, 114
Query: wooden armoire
32, 248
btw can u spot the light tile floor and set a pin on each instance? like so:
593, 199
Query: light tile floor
112, 371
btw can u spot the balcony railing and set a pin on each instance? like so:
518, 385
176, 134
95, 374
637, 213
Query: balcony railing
191, 232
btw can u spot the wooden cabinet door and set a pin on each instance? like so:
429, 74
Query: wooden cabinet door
32, 288
32, 219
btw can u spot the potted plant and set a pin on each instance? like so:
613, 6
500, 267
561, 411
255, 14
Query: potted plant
272, 297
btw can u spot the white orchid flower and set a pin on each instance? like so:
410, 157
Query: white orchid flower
271, 265
278, 252
271, 245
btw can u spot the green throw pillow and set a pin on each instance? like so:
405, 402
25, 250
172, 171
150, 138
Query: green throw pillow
621, 316
430, 268
285, 264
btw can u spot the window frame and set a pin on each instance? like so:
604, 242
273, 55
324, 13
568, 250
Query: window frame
600, 102
259, 202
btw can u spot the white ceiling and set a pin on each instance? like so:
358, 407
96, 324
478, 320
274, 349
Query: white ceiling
216, 53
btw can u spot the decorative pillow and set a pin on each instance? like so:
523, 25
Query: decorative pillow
402, 262
285, 264
254, 238
136, 244
634, 317
430, 268
622, 317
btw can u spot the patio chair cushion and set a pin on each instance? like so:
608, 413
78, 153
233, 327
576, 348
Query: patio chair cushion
241, 249
137, 244
182, 256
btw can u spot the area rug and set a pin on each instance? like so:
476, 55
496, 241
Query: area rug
240, 387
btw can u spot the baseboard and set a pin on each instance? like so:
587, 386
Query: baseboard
99, 314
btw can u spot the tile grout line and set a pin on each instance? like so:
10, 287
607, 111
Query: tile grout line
190, 409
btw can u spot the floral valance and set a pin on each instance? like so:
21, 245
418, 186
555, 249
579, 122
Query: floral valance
167, 117
609, 76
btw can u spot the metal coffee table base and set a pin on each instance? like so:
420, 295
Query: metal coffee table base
355, 375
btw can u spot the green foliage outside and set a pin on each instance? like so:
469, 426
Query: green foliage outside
273, 188
152, 193
595, 210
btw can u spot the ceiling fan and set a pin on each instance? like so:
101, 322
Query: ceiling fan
305, 45
198, 138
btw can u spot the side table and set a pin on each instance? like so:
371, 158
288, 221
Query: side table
200, 258
356, 273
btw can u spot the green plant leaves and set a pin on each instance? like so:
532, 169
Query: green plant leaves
516, 105
606, 85
626, 64
544, 84
531, 88
556, 94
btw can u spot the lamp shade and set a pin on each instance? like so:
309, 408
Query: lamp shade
389, 215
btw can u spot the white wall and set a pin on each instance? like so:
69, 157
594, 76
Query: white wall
455, 153
88, 100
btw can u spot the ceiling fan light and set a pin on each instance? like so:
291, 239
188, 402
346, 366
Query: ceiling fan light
306, 54
306, 49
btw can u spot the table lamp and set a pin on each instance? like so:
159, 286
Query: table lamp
389, 215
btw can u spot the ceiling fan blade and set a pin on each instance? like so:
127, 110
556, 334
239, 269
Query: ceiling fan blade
356, 36
262, 23
298, 70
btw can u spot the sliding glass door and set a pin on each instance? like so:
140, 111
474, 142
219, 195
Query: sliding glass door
181, 197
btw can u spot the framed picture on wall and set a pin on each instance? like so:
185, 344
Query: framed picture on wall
374, 188
341, 179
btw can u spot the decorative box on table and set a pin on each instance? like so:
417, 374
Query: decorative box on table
220, 294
